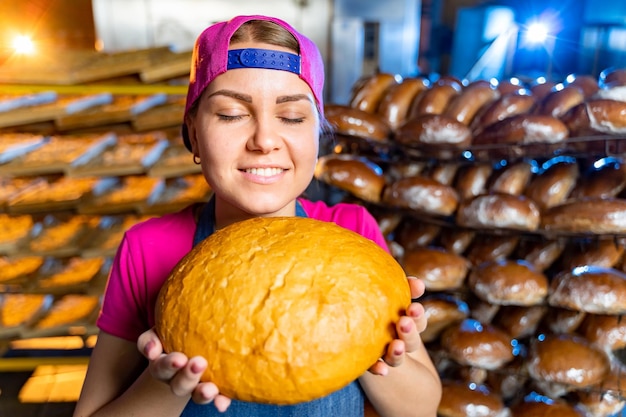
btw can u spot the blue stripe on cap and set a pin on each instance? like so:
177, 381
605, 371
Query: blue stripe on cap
263, 58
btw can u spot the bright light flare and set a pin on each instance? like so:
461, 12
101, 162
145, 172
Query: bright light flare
23, 45
537, 32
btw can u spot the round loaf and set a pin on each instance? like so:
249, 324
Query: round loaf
502, 211
558, 102
356, 175
577, 121
423, 194
441, 310
566, 361
462, 400
554, 185
464, 107
590, 215
487, 248
541, 88
607, 331
544, 408
587, 83
456, 240
477, 344
368, 95
523, 129
508, 282
541, 254
435, 99
519, 321
354, 122
607, 116
511, 179
396, 103
510, 85
413, 233
434, 134
502, 108
562, 320
439, 269
472, 180
605, 180
285, 309
590, 289
604, 253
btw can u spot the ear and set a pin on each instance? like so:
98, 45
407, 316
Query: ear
191, 134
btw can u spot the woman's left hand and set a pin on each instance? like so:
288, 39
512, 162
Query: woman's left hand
408, 328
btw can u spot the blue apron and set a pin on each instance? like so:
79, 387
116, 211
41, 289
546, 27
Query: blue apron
347, 402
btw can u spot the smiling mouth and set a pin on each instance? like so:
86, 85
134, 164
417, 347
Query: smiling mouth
264, 172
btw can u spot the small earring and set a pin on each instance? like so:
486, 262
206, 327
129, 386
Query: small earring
196, 159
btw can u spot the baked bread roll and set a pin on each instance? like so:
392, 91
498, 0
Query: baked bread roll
561, 363
544, 408
607, 116
523, 129
444, 172
590, 289
510, 85
472, 180
502, 108
422, 194
299, 307
477, 344
464, 107
459, 399
441, 310
413, 233
607, 331
604, 253
455, 240
607, 397
554, 185
541, 88
511, 179
508, 282
488, 248
439, 269
606, 180
436, 99
590, 215
559, 101
396, 103
587, 83
370, 92
358, 123
519, 321
356, 175
540, 253
501, 211
562, 320
434, 134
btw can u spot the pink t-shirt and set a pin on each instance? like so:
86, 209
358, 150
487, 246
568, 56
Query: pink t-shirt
151, 249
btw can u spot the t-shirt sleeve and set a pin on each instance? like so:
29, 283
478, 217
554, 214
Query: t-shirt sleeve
123, 307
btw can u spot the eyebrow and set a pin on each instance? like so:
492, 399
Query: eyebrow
248, 99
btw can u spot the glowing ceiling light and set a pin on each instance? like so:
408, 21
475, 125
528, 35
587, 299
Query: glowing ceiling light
537, 32
23, 45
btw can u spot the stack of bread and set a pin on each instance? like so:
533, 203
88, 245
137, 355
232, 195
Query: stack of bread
509, 201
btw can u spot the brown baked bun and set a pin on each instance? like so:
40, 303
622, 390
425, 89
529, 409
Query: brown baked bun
504, 107
510, 85
423, 194
298, 307
562, 320
554, 184
370, 92
508, 282
413, 233
472, 180
523, 129
590, 289
434, 134
519, 321
464, 107
541, 88
540, 253
607, 398
439, 269
561, 363
607, 179
511, 179
358, 123
560, 100
607, 331
435, 99
587, 83
356, 175
455, 240
444, 172
502, 211
590, 215
607, 116
441, 310
481, 345
396, 103
544, 407
490, 248
459, 399
596, 252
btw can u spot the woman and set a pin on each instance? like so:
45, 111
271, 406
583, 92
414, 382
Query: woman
253, 118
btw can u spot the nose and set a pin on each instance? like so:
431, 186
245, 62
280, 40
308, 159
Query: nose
265, 137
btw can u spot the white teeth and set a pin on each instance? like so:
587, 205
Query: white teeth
264, 172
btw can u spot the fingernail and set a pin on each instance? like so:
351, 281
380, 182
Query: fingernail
397, 352
148, 347
405, 328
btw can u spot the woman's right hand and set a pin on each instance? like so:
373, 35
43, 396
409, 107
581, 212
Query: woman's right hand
181, 373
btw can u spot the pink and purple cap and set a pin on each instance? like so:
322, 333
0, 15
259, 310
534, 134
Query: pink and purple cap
212, 57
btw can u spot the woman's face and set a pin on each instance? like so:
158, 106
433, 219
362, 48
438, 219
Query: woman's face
257, 134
